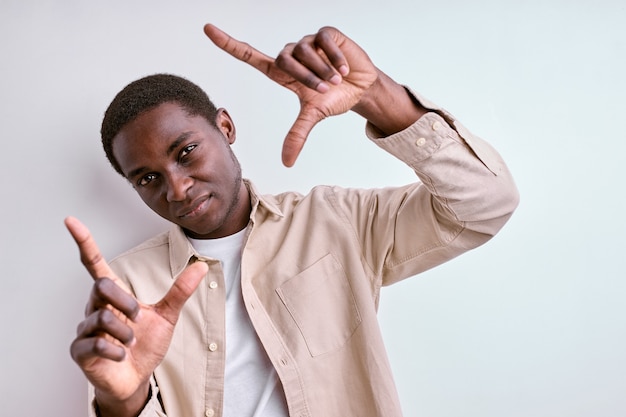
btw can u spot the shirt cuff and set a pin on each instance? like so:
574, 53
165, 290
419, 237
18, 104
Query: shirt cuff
152, 408
430, 133
417, 142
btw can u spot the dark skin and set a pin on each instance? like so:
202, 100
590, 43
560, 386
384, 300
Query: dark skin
167, 157
183, 168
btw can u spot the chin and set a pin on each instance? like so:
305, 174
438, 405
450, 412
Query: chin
202, 232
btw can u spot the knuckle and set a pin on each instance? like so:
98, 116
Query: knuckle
91, 260
240, 49
281, 60
246, 54
74, 348
322, 36
326, 31
80, 328
102, 286
301, 49
89, 308
104, 319
99, 346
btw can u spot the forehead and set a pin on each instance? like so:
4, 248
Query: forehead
162, 120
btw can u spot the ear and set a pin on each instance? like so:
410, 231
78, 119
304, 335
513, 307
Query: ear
226, 125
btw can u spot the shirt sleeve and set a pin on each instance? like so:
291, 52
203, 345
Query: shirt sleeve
153, 407
464, 197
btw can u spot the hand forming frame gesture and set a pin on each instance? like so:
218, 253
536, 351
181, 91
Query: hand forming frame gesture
121, 341
330, 74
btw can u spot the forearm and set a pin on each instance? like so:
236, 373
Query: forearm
466, 194
462, 172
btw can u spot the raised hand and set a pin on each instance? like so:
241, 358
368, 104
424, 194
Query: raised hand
121, 341
328, 72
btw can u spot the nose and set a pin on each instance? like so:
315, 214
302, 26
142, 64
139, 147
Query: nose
177, 187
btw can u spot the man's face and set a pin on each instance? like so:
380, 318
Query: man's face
183, 168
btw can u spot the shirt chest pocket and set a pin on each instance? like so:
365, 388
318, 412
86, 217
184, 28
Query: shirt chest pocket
322, 304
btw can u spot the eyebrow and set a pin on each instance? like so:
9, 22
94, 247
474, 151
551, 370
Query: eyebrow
180, 139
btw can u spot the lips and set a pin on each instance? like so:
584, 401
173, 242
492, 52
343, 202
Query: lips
194, 208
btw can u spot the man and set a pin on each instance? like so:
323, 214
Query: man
255, 305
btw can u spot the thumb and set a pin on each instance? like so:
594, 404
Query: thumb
298, 134
170, 306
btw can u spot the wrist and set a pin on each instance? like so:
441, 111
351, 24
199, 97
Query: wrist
108, 406
389, 106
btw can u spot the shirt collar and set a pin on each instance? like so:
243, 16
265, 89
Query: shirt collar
182, 252
267, 202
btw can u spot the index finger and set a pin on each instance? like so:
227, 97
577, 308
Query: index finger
90, 254
240, 50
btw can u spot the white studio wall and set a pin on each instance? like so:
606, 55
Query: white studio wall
531, 324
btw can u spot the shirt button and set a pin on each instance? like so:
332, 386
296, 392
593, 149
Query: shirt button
213, 285
436, 126
212, 348
209, 412
420, 142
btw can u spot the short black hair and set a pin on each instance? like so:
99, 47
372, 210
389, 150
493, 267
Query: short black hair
145, 94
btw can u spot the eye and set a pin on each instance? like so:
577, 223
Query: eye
187, 150
146, 179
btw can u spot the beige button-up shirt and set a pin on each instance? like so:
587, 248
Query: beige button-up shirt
312, 269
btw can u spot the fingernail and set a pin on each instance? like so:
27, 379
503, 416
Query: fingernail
322, 87
343, 70
137, 316
335, 79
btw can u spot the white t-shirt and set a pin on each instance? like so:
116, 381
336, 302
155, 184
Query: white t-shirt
252, 387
